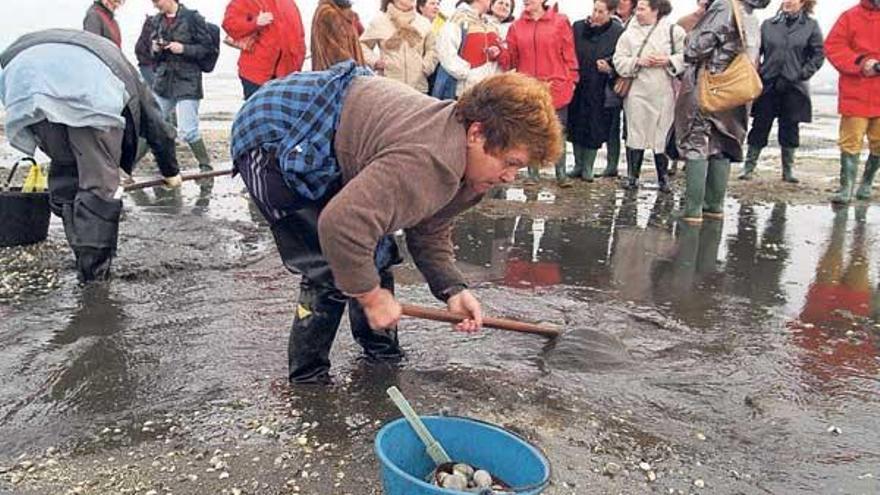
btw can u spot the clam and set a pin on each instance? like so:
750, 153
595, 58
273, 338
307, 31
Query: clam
463, 469
482, 479
455, 482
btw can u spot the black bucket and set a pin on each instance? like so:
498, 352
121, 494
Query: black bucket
24, 217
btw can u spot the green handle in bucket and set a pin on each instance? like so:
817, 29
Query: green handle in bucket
432, 446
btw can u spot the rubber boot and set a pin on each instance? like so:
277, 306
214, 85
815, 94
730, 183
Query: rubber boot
534, 173
318, 314
661, 164
695, 190
634, 159
788, 165
584, 159
871, 166
612, 149
91, 224
848, 168
561, 178
377, 345
751, 162
200, 152
578, 162
716, 188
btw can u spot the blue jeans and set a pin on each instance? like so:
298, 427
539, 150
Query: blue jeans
249, 88
187, 117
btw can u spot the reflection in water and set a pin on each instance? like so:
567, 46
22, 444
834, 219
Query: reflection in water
837, 303
756, 264
172, 201
679, 268
98, 377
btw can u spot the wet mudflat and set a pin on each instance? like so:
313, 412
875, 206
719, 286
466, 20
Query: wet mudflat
739, 357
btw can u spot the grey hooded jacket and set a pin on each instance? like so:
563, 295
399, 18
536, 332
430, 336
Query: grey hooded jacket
143, 118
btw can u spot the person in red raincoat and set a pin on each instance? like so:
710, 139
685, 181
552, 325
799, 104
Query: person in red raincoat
271, 37
853, 47
541, 44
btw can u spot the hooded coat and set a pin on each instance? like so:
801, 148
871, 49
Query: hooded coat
279, 48
143, 118
544, 49
854, 38
712, 45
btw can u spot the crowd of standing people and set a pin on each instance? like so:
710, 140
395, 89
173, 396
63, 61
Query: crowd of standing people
625, 73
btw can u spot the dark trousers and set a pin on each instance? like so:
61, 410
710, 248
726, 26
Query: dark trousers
789, 131
766, 111
321, 305
249, 88
83, 179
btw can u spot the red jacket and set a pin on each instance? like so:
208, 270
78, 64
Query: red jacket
280, 47
855, 37
544, 49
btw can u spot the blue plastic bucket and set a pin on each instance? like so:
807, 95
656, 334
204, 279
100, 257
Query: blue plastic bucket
405, 464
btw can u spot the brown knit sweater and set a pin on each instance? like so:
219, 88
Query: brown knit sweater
403, 157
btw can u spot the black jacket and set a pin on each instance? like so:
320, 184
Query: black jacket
179, 76
588, 120
143, 119
792, 51
143, 47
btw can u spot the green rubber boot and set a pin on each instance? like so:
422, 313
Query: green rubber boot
695, 190
871, 167
751, 162
716, 187
849, 165
561, 178
588, 159
788, 166
612, 147
201, 153
578, 151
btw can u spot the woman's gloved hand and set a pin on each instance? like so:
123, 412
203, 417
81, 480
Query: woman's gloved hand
173, 182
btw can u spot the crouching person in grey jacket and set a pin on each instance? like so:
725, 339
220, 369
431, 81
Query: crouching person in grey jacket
75, 96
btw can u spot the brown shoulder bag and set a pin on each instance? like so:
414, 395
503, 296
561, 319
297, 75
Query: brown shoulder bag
738, 85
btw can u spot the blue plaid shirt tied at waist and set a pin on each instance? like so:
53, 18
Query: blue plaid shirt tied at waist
295, 119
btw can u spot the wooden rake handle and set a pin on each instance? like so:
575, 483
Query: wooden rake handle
497, 323
184, 178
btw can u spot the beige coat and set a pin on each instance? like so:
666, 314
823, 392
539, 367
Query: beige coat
408, 62
650, 105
